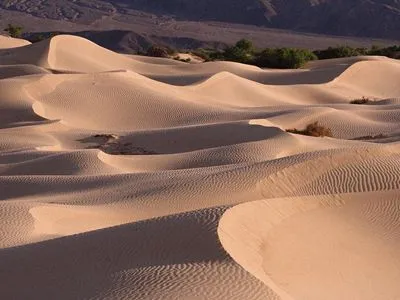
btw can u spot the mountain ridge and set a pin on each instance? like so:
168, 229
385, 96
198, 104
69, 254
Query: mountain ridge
362, 18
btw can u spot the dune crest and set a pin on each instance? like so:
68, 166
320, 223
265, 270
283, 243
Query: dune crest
7, 42
125, 177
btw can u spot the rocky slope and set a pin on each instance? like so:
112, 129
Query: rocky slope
372, 18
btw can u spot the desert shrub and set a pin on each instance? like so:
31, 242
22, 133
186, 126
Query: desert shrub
362, 100
241, 52
114, 144
159, 51
245, 45
182, 59
339, 52
36, 38
156, 51
392, 51
284, 58
202, 54
216, 55
313, 129
346, 51
371, 137
236, 54
14, 31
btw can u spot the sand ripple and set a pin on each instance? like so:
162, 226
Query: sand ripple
140, 178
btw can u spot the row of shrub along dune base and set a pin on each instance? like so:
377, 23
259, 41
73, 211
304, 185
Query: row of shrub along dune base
316, 130
283, 58
244, 52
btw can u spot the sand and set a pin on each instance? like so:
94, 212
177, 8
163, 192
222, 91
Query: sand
124, 177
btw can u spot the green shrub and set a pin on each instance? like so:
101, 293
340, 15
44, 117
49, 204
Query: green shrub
37, 38
241, 52
236, 54
346, 51
392, 51
202, 54
340, 52
245, 45
14, 31
159, 51
284, 58
313, 129
217, 55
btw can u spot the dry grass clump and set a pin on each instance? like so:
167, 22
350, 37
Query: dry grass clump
313, 129
372, 137
362, 100
114, 144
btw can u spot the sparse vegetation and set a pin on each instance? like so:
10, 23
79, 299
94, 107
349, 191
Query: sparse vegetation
340, 52
284, 58
202, 53
313, 129
362, 100
392, 51
346, 51
187, 60
14, 30
371, 137
160, 51
244, 52
38, 37
114, 144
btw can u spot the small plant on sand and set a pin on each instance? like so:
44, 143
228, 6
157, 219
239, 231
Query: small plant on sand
114, 144
187, 60
14, 31
313, 129
160, 51
362, 100
371, 137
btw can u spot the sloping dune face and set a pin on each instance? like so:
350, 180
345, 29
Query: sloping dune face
125, 178
342, 246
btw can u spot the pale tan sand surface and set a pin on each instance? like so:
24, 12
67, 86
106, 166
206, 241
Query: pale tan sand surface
341, 246
124, 177
7, 42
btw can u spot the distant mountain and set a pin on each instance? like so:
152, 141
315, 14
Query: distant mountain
131, 42
366, 18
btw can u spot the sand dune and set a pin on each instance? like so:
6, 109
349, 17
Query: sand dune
123, 177
7, 42
291, 244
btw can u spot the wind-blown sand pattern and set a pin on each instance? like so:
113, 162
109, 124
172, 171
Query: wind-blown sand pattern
131, 178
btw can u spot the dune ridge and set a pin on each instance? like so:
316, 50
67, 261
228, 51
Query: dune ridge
131, 178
